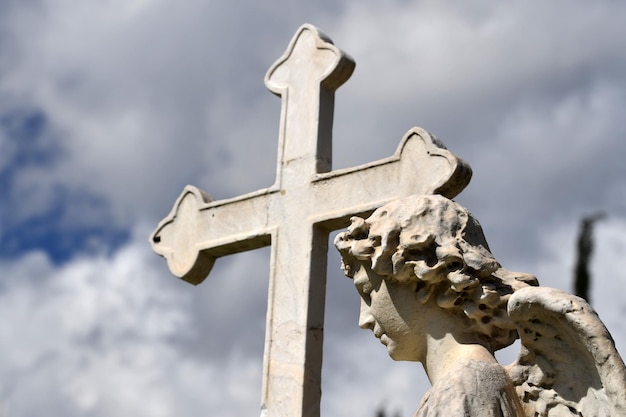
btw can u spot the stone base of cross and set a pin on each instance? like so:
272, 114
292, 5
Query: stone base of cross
297, 213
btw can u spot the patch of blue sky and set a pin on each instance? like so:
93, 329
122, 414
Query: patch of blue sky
72, 222
60, 244
25, 143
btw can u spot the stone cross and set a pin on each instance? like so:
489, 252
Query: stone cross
297, 213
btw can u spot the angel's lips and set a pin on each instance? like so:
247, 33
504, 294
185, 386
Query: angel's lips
384, 339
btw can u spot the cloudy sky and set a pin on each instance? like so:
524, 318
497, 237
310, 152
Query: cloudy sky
109, 108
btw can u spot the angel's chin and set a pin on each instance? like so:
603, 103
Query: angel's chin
391, 347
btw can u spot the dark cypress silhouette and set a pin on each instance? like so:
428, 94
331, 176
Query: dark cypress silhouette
582, 276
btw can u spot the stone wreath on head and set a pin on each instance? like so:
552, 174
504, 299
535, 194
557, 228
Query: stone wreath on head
433, 241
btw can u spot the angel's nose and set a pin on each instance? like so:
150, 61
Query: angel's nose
366, 320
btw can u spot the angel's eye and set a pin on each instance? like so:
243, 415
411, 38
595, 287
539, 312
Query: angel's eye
364, 288
363, 285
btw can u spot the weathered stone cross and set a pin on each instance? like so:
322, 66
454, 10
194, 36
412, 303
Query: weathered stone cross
297, 213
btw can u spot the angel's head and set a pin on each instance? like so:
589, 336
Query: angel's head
438, 247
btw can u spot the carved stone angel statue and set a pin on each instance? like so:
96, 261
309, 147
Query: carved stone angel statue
432, 292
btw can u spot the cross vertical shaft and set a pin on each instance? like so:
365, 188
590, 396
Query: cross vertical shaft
305, 77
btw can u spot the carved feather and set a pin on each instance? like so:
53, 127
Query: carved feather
568, 364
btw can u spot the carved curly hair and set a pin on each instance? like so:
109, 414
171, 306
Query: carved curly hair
436, 242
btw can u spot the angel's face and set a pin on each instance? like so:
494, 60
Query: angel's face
391, 310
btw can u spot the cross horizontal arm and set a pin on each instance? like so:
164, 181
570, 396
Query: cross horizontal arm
420, 165
199, 230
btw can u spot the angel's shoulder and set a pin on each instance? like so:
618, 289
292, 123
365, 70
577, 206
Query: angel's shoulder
471, 388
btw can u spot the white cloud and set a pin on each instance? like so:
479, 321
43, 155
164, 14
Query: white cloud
99, 337
84, 329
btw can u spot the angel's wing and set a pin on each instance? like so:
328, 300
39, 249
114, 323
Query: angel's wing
568, 365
